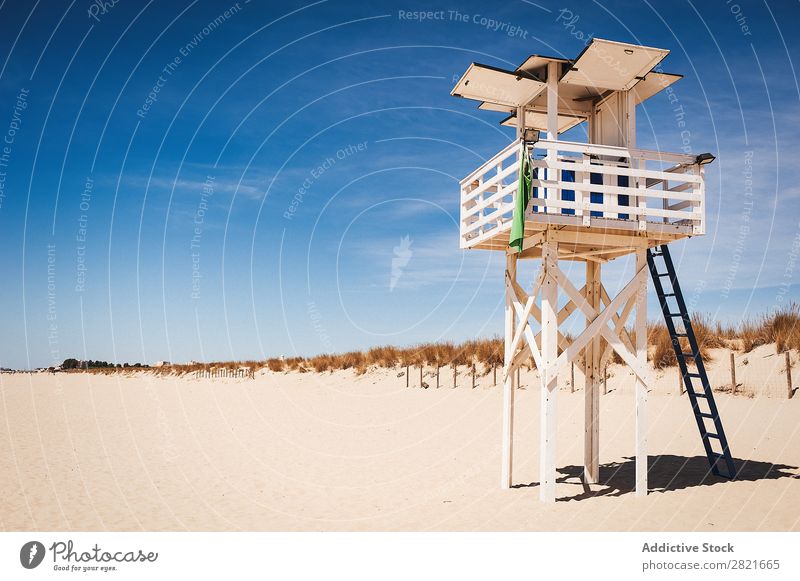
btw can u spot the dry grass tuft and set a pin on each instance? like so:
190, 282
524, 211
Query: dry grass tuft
784, 328
276, 364
781, 327
705, 331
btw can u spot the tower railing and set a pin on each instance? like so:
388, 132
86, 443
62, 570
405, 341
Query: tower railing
586, 185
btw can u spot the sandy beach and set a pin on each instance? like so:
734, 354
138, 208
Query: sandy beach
336, 451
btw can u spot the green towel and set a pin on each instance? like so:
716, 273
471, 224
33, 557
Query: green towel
521, 200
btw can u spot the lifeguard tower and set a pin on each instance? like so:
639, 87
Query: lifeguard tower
547, 199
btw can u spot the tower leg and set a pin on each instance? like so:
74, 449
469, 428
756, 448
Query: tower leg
509, 384
549, 387
591, 362
641, 387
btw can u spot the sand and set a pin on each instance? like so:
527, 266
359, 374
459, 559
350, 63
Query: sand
341, 452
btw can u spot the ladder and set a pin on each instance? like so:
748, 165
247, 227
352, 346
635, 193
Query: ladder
679, 326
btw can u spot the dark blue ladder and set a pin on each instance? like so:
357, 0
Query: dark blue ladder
679, 326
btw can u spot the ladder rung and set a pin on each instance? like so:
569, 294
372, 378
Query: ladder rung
694, 375
681, 315
692, 355
681, 335
662, 274
710, 435
668, 295
705, 415
697, 394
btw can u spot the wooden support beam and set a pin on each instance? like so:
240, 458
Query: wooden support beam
641, 383
532, 241
569, 308
508, 379
549, 380
524, 314
626, 338
590, 256
552, 130
532, 345
536, 313
619, 321
517, 297
591, 403
613, 340
600, 324
577, 237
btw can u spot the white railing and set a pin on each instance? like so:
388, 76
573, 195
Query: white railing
588, 185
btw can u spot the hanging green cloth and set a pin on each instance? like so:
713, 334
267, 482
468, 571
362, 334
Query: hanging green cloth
521, 200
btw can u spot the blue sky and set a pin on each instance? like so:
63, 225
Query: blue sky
252, 205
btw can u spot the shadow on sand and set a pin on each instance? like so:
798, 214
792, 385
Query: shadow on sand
665, 473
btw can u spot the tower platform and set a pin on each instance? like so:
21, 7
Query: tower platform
602, 199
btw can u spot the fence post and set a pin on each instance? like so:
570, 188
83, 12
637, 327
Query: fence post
494, 375
605, 380
473, 376
407, 373
680, 382
454, 376
420, 374
789, 391
733, 375
437, 375
518, 382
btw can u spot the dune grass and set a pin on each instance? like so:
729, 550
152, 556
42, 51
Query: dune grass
781, 327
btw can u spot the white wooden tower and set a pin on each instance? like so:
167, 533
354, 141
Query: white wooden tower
593, 202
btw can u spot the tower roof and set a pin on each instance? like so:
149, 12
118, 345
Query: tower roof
604, 66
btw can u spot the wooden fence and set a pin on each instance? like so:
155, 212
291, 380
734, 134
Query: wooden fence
718, 376
215, 372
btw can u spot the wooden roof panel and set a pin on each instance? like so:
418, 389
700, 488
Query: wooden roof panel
538, 120
618, 66
652, 84
497, 86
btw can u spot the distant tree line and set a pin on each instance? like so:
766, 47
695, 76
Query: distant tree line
72, 363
